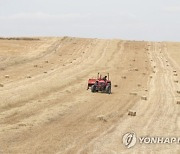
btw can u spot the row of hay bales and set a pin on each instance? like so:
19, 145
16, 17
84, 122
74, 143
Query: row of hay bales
176, 81
28, 76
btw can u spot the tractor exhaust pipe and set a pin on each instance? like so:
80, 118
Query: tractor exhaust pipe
98, 76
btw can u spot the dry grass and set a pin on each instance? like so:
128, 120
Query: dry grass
58, 106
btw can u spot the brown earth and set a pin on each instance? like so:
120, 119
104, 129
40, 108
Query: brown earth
45, 107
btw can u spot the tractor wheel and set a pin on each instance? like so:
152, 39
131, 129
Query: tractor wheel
108, 89
93, 88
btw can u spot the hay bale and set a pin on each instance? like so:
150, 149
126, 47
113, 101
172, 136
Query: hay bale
123, 77
35, 65
139, 85
136, 69
176, 81
68, 91
174, 71
175, 74
28, 76
144, 98
178, 91
133, 93
144, 73
102, 118
46, 61
115, 85
132, 113
22, 125
6, 76
1, 85
45, 72
2, 69
151, 76
178, 102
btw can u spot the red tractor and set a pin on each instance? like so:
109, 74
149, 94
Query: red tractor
100, 84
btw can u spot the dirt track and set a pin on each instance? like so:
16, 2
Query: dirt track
45, 107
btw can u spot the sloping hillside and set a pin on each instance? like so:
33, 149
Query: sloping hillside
45, 107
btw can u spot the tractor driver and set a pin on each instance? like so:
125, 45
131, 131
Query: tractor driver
104, 78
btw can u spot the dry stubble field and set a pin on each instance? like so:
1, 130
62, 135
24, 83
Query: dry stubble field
45, 107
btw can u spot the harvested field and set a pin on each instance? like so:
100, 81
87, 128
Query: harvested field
45, 107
